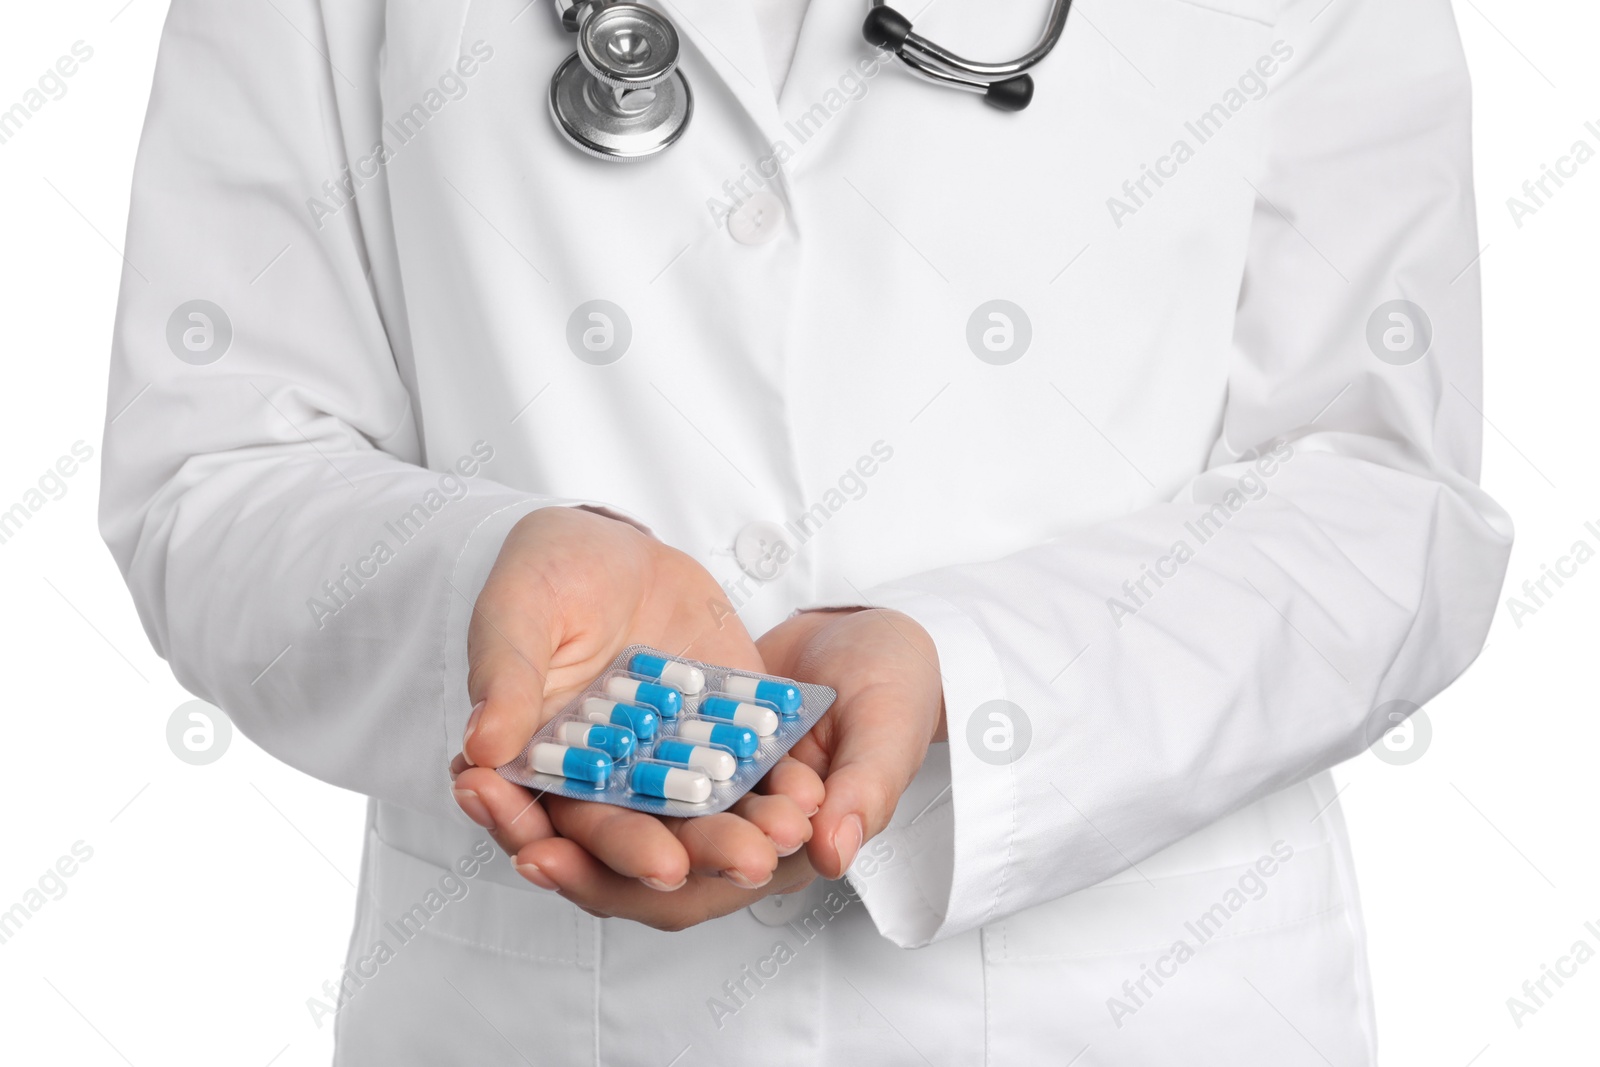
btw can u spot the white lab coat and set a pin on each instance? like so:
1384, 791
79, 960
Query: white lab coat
1162, 875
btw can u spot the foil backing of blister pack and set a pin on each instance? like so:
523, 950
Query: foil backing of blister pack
815, 701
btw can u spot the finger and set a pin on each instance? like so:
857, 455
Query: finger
631, 843
589, 884
812, 751
729, 846
786, 826
509, 812
796, 780
509, 645
871, 766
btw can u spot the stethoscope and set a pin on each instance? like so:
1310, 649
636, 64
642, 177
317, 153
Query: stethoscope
621, 96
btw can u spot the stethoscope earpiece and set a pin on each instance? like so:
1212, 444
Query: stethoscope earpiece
886, 28
1013, 94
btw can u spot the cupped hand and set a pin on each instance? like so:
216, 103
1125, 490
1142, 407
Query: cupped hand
569, 590
872, 741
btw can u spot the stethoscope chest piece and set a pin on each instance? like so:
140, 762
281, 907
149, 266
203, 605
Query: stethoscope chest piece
620, 95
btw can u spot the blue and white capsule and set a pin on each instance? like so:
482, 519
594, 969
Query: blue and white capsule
665, 699
740, 740
684, 677
642, 721
574, 764
663, 780
764, 721
718, 763
615, 741
783, 695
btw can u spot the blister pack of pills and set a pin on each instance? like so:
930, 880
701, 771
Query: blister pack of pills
669, 736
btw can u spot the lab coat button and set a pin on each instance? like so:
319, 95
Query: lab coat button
781, 908
763, 550
757, 220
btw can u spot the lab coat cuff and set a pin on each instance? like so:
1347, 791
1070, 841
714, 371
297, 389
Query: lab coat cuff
940, 867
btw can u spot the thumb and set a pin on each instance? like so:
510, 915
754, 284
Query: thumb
509, 646
878, 747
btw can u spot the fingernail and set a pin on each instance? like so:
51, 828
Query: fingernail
738, 878
472, 725
658, 884
532, 873
791, 850
476, 809
847, 841
457, 765
813, 811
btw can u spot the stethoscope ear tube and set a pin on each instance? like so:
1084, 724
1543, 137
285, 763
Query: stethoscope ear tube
1003, 85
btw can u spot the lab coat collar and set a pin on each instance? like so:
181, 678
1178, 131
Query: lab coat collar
725, 34
829, 47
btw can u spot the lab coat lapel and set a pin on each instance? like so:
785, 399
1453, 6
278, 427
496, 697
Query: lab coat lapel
725, 34
830, 49
830, 41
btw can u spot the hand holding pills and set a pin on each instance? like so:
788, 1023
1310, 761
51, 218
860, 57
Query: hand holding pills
570, 590
689, 749
872, 741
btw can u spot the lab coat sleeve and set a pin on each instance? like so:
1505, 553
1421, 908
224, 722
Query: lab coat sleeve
287, 551
1352, 560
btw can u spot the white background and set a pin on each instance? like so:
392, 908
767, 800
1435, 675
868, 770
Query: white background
218, 898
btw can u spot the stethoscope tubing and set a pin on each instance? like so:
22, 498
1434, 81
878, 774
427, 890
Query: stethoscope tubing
941, 64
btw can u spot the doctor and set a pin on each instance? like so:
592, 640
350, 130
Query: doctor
1115, 459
